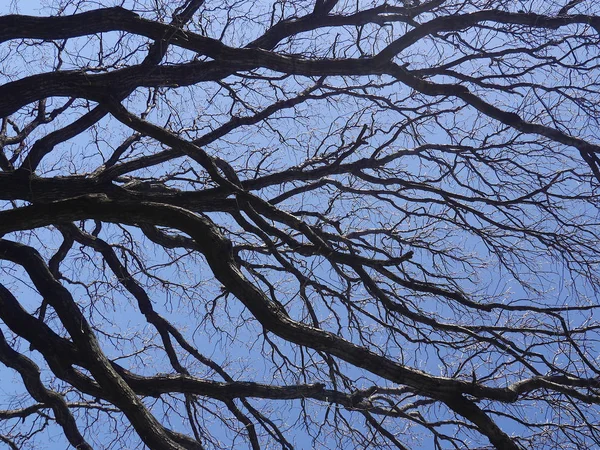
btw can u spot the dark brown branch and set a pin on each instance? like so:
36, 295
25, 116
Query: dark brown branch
217, 250
30, 374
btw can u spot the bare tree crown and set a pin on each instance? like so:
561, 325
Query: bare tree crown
300, 224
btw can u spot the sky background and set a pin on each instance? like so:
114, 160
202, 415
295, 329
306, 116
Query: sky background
233, 341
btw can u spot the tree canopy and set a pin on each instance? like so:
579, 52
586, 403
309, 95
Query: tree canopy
300, 224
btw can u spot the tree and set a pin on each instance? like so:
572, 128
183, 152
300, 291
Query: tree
301, 224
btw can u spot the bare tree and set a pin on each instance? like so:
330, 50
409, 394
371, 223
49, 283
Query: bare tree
300, 224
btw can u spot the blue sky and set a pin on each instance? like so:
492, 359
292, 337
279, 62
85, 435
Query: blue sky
234, 339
